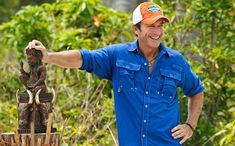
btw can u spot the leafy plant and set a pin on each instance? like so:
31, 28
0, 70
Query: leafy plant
201, 30
84, 101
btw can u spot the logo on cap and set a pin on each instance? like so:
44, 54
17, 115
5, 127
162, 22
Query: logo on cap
153, 9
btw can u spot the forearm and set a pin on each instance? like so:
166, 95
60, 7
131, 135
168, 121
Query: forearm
195, 104
66, 59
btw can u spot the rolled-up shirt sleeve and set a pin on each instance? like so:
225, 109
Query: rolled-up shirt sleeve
191, 83
98, 62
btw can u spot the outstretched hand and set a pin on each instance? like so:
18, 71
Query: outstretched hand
182, 131
38, 46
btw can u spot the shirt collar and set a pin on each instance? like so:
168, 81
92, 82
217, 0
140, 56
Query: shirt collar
165, 49
134, 46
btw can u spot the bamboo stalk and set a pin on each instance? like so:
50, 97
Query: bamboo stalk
32, 134
16, 136
39, 142
50, 118
23, 140
12, 140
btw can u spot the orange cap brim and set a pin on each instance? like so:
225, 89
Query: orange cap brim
154, 19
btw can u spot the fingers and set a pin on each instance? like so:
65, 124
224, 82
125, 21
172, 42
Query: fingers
34, 44
178, 131
178, 134
181, 131
183, 140
38, 46
176, 128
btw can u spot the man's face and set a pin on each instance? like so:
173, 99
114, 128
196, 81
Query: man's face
150, 36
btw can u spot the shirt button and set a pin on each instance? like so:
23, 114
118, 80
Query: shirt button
145, 121
158, 92
145, 63
146, 92
146, 106
143, 135
162, 94
170, 96
149, 78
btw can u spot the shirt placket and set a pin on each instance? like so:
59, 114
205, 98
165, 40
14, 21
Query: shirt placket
144, 134
145, 120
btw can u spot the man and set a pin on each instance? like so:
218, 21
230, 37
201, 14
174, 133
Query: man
145, 75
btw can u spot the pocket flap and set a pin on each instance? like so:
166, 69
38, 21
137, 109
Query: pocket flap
127, 65
170, 74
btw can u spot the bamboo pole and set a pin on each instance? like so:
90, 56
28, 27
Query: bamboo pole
48, 131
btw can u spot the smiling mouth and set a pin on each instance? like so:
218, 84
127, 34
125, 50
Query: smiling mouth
155, 38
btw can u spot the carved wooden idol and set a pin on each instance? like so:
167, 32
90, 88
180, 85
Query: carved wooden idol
35, 103
35, 107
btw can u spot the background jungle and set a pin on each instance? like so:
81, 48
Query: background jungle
202, 30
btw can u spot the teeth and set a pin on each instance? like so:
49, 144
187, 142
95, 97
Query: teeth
155, 38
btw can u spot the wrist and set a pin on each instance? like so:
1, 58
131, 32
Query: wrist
190, 126
46, 57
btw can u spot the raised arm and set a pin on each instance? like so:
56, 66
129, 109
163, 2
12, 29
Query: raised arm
66, 59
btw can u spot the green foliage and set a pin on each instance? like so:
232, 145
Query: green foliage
7, 9
84, 105
29, 23
202, 30
8, 109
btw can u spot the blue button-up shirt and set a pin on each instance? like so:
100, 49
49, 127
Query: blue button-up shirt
146, 104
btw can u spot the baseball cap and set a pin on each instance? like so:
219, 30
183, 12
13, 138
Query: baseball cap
148, 13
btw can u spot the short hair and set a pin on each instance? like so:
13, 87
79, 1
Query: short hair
138, 25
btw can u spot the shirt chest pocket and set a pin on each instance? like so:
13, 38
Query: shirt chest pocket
171, 80
126, 74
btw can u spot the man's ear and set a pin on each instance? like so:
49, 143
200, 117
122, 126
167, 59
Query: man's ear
135, 29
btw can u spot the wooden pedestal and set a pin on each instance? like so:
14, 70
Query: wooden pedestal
40, 139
